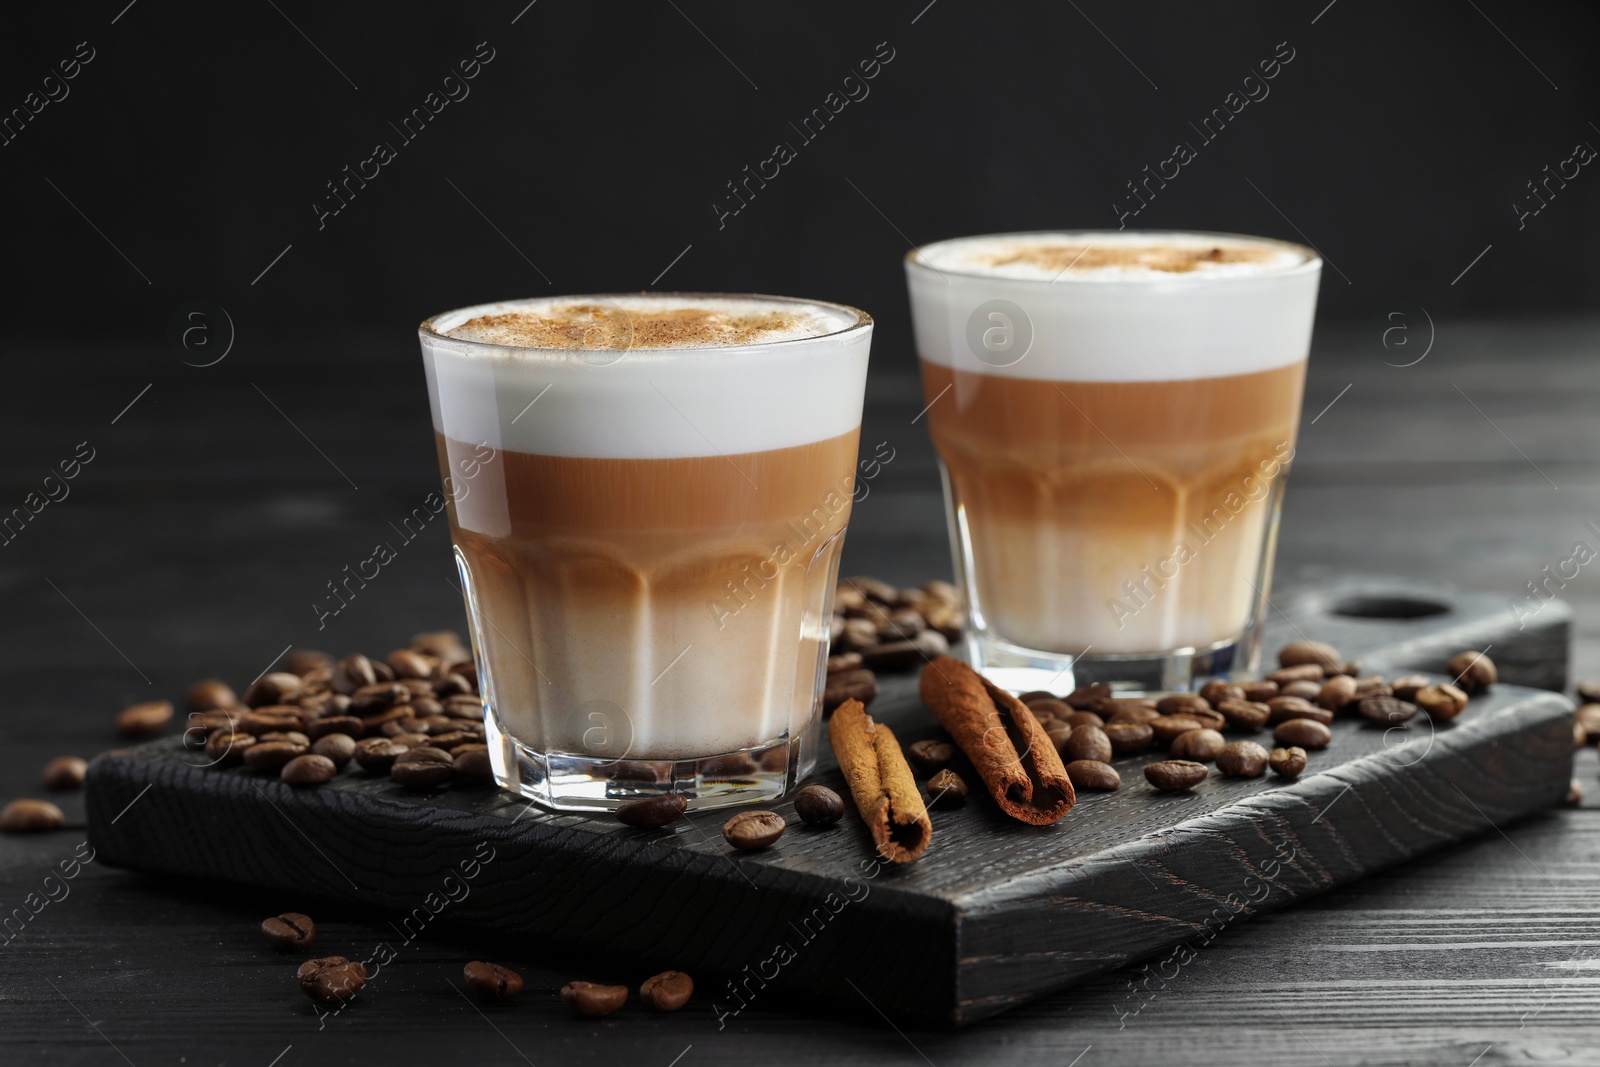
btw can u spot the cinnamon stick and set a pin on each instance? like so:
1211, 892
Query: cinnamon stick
881, 783
1006, 744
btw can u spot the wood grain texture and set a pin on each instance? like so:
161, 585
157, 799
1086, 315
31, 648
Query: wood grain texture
995, 913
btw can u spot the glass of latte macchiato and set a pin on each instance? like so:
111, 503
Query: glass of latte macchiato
1115, 413
648, 495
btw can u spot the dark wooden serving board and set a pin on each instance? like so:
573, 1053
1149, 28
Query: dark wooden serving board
995, 913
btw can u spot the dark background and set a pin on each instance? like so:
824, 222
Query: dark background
601, 134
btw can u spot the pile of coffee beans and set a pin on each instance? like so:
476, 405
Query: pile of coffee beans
414, 715
1298, 702
877, 627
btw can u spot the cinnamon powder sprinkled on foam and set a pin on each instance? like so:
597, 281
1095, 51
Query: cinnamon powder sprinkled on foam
596, 326
1168, 258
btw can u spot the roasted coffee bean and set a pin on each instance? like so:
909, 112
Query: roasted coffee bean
775, 760
376, 755
1076, 719
27, 816
859, 685
224, 748
339, 748
846, 597
335, 724
210, 694
65, 772
331, 979
1218, 690
1175, 775
451, 740
1036, 694
272, 755
723, 768
1372, 687
355, 671
930, 755
277, 687
667, 991
468, 670
1407, 687
1167, 727
423, 768
1473, 671
1260, 692
1182, 704
1304, 672
289, 930
1589, 718
1287, 762
289, 737
817, 805
408, 664
844, 661
1351, 667
490, 981
1245, 714
450, 685
309, 769
1589, 692
947, 790
1087, 742
1115, 706
750, 830
378, 697
402, 724
1337, 692
1088, 697
1210, 720
471, 762
1200, 746
1129, 738
1303, 690
926, 647
277, 720
416, 688
441, 644
1092, 774
144, 720
873, 589
410, 740
859, 635
1052, 708
1443, 702
592, 999
1133, 715
1285, 708
467, 707
1242, 759
904, 624
1385, 711
1058, 733
303, 661
652, 812
1302, 652
1306, 733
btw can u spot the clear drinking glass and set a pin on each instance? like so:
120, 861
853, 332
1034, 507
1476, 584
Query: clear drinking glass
647, 521
1115, 413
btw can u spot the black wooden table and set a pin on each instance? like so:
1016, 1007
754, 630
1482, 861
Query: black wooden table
217, 506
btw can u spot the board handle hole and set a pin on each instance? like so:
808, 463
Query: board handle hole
1389, 606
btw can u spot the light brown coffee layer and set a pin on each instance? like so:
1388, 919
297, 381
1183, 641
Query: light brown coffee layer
1072, 489
681, 600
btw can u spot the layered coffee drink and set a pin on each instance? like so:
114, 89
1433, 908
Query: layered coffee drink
1115, 414
648, 495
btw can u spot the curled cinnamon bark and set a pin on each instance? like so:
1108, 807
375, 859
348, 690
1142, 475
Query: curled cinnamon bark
1005, 743
881, 783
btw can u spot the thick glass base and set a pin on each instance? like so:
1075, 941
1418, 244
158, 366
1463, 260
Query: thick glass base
574, 782
1018, 670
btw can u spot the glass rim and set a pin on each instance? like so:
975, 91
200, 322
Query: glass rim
1312, 258
430, 328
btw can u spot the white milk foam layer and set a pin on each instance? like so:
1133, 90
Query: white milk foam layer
976, 312
781, 387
